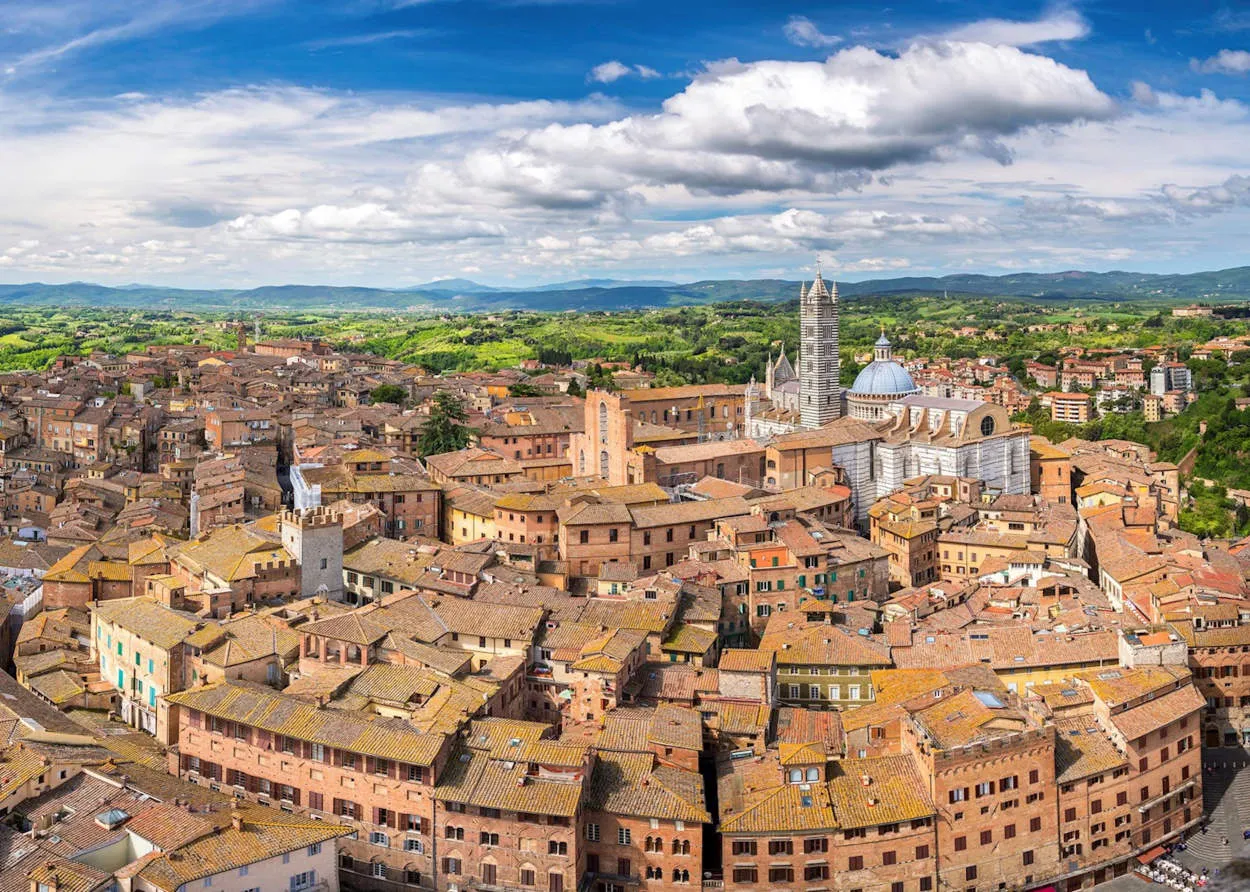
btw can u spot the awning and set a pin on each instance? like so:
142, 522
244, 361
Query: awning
1148, 856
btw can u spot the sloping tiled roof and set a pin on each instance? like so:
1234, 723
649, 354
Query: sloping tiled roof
894, 793
264, 834
359, 733
631, 784
1083, 749
150, 620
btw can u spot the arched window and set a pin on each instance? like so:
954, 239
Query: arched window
581, 463
685, 876
676, 875
796, 775
603, 422
813, 774
603, 463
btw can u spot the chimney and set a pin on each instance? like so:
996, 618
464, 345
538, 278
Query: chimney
236, 820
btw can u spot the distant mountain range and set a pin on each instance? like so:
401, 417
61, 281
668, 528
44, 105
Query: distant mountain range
463, 295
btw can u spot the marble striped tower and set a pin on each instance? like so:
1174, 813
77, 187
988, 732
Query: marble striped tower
820, 393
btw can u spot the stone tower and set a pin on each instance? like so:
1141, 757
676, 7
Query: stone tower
820, 394
314, 537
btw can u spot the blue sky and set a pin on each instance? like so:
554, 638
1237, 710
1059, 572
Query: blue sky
381, 142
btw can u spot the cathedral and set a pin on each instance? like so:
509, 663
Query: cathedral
892, 430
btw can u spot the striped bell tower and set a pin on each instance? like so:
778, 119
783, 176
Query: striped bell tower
820, 393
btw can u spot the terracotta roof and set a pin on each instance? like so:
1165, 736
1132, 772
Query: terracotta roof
263, 834
1082, 749
150, 620
1141, 720
632, 784
280, 714
895, 792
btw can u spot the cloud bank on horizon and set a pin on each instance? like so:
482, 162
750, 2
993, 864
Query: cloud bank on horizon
243, 142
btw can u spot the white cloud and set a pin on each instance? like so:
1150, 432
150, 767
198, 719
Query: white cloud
367, 39
889, 162
359, 223
610, 72
742, 128
1142, 92
1061, 24
1223, 62
801, 31
1233, 192
85, 25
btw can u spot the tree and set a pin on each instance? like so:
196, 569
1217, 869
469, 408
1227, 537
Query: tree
388, 393
444, 430
524, 388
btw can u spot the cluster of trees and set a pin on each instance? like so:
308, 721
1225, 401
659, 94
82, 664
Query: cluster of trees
445, 429
1112, 426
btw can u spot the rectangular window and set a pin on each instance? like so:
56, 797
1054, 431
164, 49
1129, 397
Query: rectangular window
623, 836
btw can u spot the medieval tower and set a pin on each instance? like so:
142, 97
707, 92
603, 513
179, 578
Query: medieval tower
820, 394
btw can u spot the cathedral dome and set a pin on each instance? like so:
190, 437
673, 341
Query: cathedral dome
883, 377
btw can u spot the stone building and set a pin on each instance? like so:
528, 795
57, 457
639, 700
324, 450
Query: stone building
820, 394
314, 536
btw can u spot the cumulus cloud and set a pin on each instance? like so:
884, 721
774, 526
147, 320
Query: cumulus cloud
1061, 24
742, 128
368, 222
1066, 207
1233, 192
1223, 62
802, 31
610, 72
